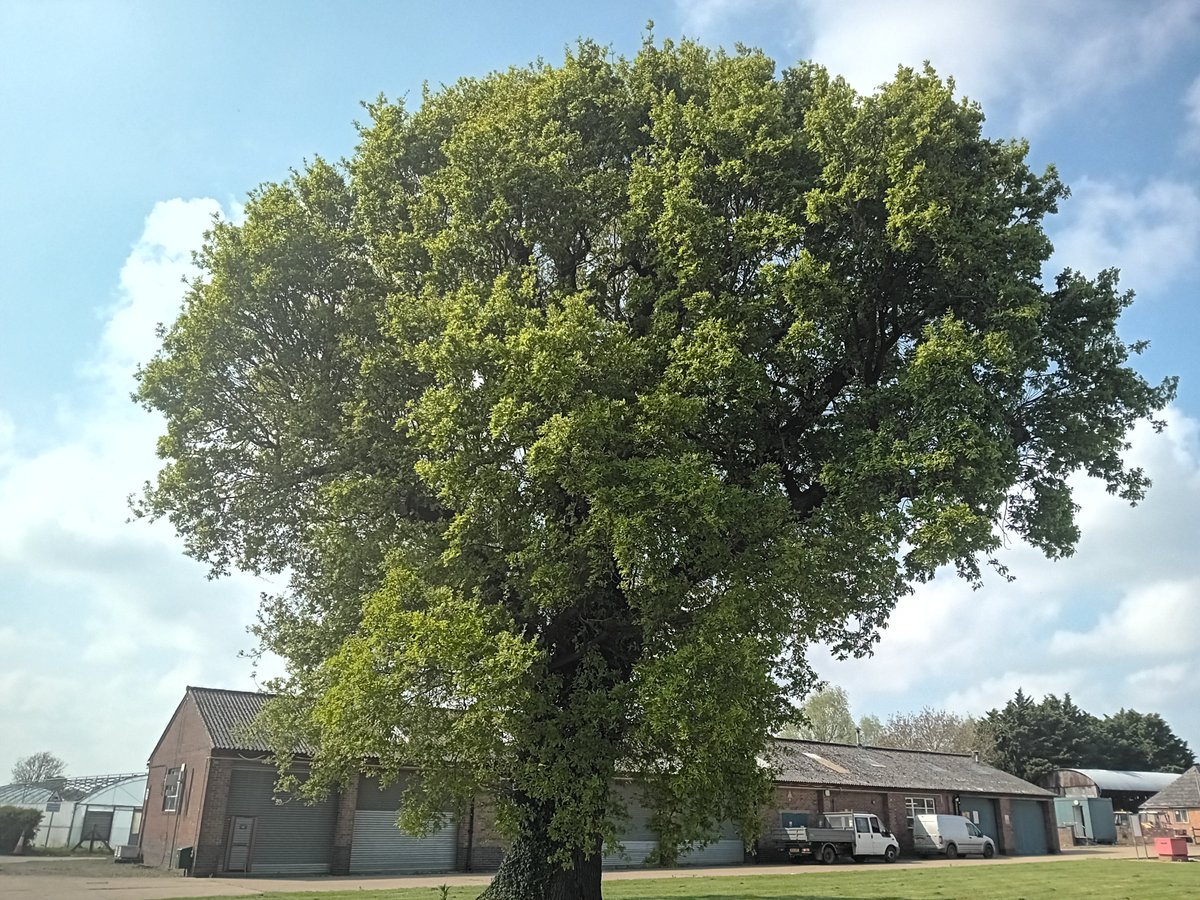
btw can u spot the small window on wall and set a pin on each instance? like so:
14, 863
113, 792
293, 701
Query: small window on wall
1181, 815
171, 789
915, 806
794, 819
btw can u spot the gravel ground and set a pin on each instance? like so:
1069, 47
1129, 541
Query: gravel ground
78, 867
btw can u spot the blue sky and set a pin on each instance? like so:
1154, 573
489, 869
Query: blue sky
125, 126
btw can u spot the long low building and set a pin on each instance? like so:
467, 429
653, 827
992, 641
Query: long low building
211, 804
816, 778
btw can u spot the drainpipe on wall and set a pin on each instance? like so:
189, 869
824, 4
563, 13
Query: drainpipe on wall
470, 837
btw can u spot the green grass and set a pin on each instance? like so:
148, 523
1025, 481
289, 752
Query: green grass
1098, 879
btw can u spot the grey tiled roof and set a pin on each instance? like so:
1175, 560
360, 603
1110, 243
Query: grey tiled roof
816, 763
1183, 792
229, 718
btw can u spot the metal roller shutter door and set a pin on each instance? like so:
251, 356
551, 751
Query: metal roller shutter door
727, 850
289, 838
638, 840
1029, 828
379, 846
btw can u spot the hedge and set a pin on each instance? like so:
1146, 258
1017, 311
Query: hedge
17, 823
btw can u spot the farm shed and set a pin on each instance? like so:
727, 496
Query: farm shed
1090, 819
814, 778
1126, 789
1175, 810
95, 809
212, 789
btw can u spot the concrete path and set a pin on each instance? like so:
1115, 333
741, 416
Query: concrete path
141, 885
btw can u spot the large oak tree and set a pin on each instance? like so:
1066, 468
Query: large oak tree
584, 397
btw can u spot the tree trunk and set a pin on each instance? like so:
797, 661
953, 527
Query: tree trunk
525, 874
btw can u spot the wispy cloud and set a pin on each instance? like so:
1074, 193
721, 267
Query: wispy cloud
107, 621
1030, 56
1115, 625
1191, 113
1153, 229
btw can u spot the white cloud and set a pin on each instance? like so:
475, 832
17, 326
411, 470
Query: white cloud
106, 621
1191, 104
996, 691
1116, 625
151, 282
1035, 56
1159, 619
1153, 233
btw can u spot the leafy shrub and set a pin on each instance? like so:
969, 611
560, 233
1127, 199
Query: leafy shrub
16, 824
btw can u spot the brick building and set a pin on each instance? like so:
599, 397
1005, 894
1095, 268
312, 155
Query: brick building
1175, 810
816, 778
211, 794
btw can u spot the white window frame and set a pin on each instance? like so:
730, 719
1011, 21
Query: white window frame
915, 806
1181, 816
172, 788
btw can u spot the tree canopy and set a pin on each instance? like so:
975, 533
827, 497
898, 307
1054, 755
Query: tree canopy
928, 729
37, 767
1031, 739
825, 716
583, 398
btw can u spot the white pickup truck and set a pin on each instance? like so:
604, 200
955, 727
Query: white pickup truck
852, 834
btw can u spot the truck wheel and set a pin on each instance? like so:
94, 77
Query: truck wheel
988, 851
951, 851
828, 854
890, 854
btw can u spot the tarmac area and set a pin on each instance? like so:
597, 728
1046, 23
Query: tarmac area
99, 878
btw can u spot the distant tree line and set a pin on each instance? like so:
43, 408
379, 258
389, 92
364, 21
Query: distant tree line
1031, 739
1025, 737
826, 716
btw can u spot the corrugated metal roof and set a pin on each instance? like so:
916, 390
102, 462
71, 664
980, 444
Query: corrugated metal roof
229, 717
1121, 780
1182, 793
812, 762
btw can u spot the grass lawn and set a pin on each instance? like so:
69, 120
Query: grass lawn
1098, 879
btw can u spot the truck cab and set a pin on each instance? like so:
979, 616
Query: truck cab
870, 837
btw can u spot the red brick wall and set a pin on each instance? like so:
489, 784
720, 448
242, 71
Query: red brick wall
481, 846
210, 836
185, 743
888, 805
343, 828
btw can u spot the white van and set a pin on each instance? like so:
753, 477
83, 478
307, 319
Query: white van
951, 836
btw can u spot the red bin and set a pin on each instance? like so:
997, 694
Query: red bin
1171, 848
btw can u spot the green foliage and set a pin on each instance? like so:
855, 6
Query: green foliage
1032, 739
825, 716
17, 824
582, 399
1142, 742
